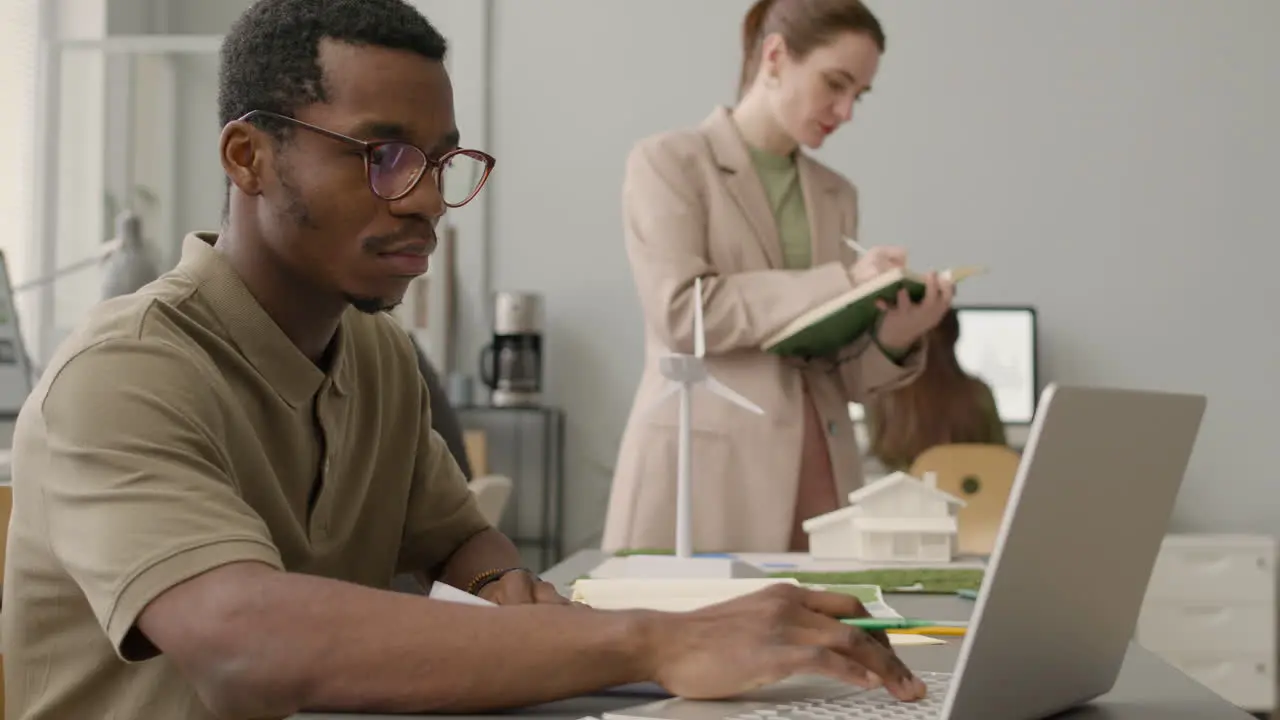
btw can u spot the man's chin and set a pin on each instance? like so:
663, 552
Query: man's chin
373, 305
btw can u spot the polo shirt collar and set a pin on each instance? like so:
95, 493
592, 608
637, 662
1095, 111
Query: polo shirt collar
294, 376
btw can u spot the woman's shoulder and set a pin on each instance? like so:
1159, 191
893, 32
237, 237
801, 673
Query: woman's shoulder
679, 145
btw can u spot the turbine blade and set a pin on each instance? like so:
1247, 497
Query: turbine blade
699, 339
731, 395
671, 389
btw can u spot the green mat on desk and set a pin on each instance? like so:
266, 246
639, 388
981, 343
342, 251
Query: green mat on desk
929, 580
866, 593
944, 581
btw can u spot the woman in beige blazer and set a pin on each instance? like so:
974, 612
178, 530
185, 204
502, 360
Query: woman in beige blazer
735, 202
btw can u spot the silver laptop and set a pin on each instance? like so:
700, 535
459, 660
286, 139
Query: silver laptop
1065, 582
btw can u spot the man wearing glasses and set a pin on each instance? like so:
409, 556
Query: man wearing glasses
218, 475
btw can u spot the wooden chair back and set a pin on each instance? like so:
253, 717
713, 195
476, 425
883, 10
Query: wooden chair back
492, 493
982, 476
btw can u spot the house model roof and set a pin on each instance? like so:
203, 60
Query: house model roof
885, 483
897, 479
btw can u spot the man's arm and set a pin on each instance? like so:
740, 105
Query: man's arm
486, 551
270, 643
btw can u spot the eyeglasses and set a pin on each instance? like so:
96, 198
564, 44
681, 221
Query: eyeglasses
395, 167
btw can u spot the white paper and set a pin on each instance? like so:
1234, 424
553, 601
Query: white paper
449, 593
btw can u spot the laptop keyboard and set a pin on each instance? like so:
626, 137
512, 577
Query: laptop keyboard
859, 704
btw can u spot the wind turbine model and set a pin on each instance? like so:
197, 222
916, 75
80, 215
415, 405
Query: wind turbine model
684, 373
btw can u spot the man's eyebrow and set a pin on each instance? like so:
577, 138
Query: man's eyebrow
380, 130
449, 141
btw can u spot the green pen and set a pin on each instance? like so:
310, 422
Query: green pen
900, 623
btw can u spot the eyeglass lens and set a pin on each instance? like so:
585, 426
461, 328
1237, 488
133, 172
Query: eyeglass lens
395, 166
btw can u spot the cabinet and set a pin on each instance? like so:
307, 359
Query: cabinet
1210, 611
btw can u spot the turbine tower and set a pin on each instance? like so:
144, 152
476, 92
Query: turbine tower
684, 374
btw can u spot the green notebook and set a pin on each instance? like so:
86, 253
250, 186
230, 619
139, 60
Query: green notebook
841, 320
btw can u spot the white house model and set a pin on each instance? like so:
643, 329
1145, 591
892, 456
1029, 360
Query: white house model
898, 518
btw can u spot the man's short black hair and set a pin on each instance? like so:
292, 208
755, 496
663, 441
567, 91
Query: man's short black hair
270, 58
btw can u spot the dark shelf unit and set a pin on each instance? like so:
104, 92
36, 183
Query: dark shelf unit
526, 444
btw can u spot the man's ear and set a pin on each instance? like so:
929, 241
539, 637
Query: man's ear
242, 149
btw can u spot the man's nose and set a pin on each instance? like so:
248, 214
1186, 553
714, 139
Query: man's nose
425, 200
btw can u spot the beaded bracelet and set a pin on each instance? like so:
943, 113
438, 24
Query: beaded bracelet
480, 581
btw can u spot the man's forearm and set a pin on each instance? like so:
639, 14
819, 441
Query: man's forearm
486, 550
333, 646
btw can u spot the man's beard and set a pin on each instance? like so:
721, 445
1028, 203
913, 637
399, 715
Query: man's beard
301, 215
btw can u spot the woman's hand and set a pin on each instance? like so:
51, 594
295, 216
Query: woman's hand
906, 322
876, 262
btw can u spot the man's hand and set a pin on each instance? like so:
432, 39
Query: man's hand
520, 587
905, 321
767, 636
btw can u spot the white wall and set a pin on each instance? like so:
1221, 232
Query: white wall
1114, 163
576, 83
1111, 162
199, 188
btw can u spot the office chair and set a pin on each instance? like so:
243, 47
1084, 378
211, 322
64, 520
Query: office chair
492, 492
981, 475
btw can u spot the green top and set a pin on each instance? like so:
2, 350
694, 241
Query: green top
786, 199
781, 179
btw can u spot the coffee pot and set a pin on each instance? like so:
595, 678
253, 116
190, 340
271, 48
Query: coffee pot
511, 364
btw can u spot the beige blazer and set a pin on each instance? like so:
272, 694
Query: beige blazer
693, 206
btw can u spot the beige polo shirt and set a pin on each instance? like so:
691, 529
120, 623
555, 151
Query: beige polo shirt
180, 430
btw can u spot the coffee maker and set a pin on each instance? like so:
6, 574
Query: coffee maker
511, 365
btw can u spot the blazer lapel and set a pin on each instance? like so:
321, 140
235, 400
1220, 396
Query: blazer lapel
821, 204
743, 183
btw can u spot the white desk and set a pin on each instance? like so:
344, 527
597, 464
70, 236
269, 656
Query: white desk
1148, 688
1210, 611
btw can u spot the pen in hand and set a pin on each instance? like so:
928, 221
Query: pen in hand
904, 625
901, 623
890, 258
856, 247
